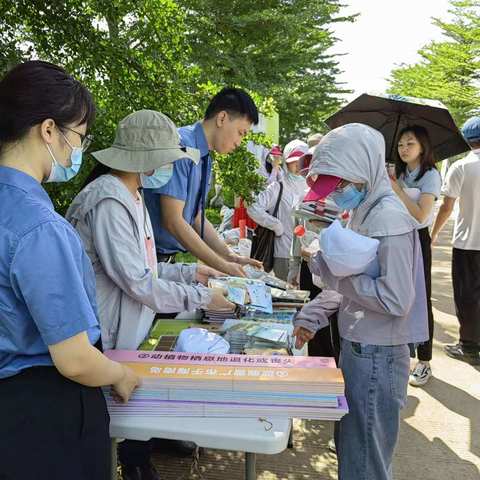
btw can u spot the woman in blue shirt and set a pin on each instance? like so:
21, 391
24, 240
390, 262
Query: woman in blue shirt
53, 417
418, 186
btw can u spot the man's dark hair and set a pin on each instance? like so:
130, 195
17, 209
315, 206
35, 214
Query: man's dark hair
235, 101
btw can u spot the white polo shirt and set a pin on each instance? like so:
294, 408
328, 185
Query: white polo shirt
463, 182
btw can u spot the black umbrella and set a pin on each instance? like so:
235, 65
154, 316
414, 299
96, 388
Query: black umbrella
391, 113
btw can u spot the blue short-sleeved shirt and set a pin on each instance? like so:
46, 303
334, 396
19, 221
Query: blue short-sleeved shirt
185, 185
431, 182
47, 283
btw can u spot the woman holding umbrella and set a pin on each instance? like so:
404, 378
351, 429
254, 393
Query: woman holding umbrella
393, 116
418, 185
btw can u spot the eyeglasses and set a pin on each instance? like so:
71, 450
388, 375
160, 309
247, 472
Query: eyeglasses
86, 140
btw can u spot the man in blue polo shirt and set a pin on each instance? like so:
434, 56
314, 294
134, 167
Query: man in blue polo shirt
177, 210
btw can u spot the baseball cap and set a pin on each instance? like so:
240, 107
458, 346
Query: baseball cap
294, 150
322, 187
471, 129
276, 150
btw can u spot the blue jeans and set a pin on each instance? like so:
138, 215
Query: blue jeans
376, 380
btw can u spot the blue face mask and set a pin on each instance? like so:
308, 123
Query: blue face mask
59, 173
293, 176
349, 197
160, 177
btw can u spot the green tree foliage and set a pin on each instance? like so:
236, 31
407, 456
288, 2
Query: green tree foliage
274, 47
130, 54
173, 56
449, 70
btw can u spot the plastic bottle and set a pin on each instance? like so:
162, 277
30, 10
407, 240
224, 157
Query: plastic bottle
242, 226
308, 239
245, 247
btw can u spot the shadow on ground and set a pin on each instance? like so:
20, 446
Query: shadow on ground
308, 459
418, 457
421, 453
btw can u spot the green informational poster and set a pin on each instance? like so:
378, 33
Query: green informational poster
269, 126
272, 127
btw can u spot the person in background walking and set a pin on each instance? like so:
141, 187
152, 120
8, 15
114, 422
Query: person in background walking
463, 183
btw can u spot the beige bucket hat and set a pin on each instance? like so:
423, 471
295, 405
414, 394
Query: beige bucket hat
145, 140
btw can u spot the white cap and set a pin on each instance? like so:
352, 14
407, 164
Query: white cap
294, 150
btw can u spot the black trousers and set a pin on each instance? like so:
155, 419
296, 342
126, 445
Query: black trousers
52, 428
424, 351
326, 342
135, 453
466, 293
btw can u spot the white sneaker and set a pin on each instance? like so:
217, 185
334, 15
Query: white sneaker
420, 375
331, 446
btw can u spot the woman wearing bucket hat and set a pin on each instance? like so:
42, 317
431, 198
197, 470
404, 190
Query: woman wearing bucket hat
290, 195
111, 218
378, 317
53, 414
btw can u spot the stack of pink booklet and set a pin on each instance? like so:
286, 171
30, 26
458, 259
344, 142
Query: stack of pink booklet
187, 384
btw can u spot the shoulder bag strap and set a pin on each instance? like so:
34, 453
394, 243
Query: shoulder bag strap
275, 211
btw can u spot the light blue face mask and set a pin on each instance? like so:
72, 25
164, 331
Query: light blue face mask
294, 176
349, 197
160, 177
59, 173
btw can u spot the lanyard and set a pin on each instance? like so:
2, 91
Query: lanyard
203, 193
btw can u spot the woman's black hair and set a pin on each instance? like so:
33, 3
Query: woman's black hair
34, 91
268, 166
427, 158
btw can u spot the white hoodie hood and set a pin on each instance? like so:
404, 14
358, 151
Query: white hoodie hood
356, 152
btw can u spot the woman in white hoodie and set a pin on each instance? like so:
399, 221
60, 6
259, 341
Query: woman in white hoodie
377, 317
113, 223
292, 189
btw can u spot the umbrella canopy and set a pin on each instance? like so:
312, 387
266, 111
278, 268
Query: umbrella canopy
391, 113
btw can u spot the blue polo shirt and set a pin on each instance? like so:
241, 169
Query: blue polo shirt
47, 283
188, 182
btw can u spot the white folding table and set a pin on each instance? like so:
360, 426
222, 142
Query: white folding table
249, 435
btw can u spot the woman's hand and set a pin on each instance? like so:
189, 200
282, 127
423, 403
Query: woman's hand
123, 389
302, 336
219, 301
306, 254
241, 260
394, 184
204, 273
